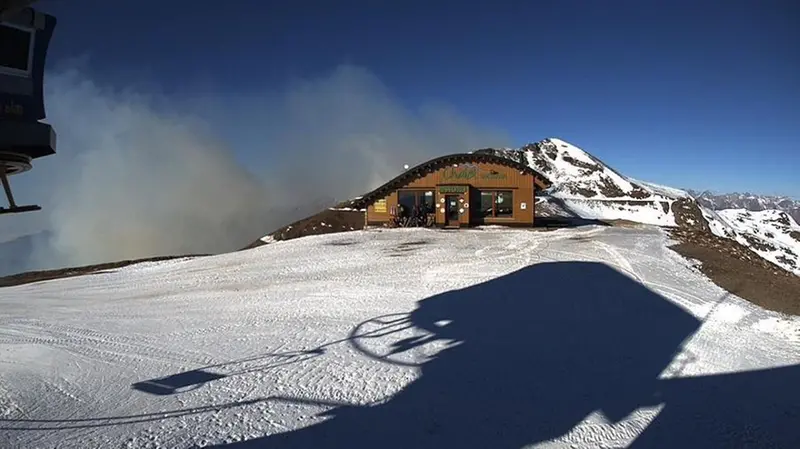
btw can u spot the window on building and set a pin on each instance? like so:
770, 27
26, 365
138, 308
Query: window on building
497, 204
410, 199
487, 204
504, 204
406, 201
428, 202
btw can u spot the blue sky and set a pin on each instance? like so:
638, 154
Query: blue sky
693, 94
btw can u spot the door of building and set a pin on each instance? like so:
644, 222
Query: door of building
451, 216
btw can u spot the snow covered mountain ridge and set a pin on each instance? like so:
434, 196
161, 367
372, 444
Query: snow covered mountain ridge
585, 186
748, 201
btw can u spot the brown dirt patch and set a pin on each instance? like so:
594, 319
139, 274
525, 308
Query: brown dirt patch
625, 224
544, 168
639, 193
688, 215
782, 219
46, 275
738, 270
610, 189
758, 244
587, 165
328, 221
786, 260
577, 190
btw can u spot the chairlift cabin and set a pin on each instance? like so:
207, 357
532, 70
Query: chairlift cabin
25, 35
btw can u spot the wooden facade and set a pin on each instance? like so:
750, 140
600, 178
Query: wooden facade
460, 191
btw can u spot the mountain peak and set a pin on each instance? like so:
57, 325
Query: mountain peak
586, 187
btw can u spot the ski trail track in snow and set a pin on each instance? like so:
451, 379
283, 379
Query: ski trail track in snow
276, 324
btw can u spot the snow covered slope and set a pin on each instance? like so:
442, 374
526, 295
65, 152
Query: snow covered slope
772, 234
575, 338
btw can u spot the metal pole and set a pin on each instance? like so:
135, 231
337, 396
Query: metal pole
7, 188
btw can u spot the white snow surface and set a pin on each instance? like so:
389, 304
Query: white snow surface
717, 223
407, 338
647, 213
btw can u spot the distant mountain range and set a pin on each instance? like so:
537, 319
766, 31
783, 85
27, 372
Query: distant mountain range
748, 201
17, 255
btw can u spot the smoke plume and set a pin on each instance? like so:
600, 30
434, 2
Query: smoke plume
141, 174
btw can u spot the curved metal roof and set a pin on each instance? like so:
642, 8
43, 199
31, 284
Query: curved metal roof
432, 165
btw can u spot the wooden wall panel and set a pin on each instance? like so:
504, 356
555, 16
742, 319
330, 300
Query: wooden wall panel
380, 214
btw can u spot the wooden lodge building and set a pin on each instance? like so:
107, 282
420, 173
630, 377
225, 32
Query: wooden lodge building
458, 190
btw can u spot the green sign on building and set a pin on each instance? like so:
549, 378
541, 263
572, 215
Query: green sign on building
463, 174
453, 189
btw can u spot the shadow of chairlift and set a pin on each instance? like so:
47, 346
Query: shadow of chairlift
194, 379
191, 380
177, 383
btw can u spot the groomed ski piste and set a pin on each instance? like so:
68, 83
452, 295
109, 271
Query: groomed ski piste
411, 338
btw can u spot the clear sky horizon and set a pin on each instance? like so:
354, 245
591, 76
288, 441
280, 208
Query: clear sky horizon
692, 94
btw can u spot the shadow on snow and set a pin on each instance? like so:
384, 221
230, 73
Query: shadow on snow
542, 348
538, 350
